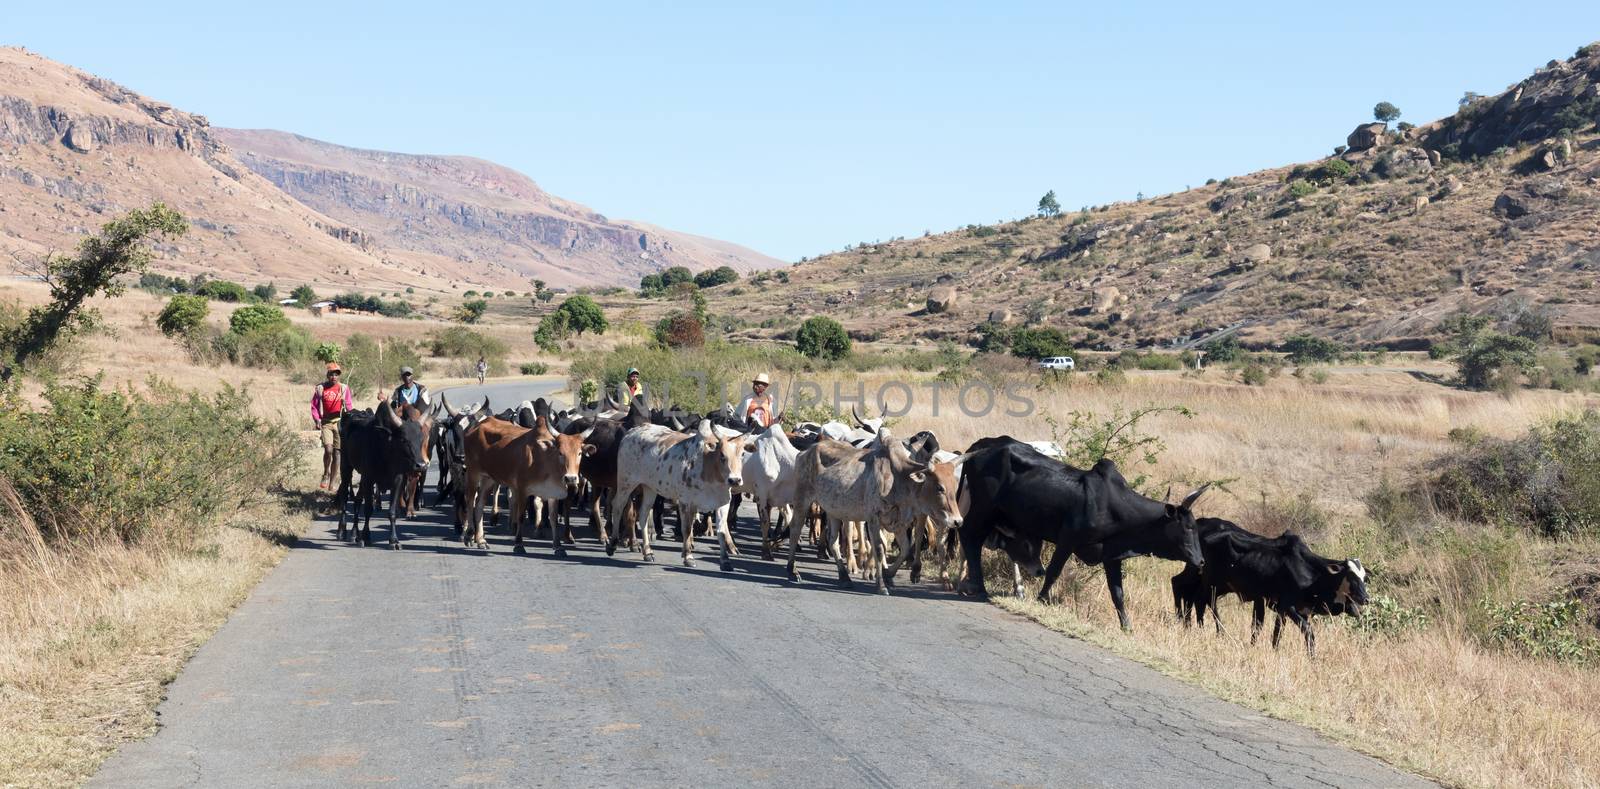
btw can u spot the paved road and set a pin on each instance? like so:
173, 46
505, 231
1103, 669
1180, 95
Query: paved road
439, 666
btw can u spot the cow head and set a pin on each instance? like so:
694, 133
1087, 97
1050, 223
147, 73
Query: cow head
933, 486
723, 458
573, 449
1351, 593
409, 434
1180, 537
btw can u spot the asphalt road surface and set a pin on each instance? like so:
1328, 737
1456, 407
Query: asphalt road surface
440, 666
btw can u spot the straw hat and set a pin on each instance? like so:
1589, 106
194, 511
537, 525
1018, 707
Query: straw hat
762, 379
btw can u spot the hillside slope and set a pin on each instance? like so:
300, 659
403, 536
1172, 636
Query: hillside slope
437, 210
1501, 201
76, 150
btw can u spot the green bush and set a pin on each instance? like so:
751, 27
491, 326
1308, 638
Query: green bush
257, 318
822, 337
533, 368
1386, 617
1253, 374
1335, 170
303, 296
1224, 350
551, 331
583, 314
1494, 359
1299, 188
1308, 349
471, 311
265, 292
278, 347
182, 314
325, 352
369, 364
91, 465
1551, 630
711, 278
698, 379
464, 343
223, 290
1039, 343
1547, 481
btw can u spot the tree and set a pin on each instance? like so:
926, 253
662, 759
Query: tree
583, 315
1048, 205
545, 296
1468, 98
1040, 343
680, 330
471, 311
651, 284
674, 275
182, 314
304, 296
821, 337
552, 330
1307, 349
1385, 113
257, 318
1492, 357
538, 285
267, 292
223, 290
119, 249
711, 278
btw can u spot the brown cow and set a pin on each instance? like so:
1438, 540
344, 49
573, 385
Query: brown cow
529, 461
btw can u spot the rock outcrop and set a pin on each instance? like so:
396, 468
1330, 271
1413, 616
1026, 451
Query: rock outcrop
1365, 137
1556, 99
943, 299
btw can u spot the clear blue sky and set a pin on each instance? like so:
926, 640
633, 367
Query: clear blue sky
802, 127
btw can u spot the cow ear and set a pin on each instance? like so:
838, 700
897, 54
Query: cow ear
749, 445
919, 477
1172, 510
590, 449
1334, 568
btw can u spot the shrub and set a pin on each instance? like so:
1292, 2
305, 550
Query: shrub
711, 278
821, 337
1224, 350
1308, 349
471, 311
304, 295
589, 391
182, 314
325, 352
583, 315
1253, 374
1335, 170
265, 292
223, 290
680, 329
370, 364
533, 368
1547, 481
1038, 343
1542, 630
462, 342
1494, 359
91, 465
257, 318
551, 331
278, 346
161, 283
1386, 617
697, 379
1299, 188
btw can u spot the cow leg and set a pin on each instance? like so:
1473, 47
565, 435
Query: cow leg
371, 487
1258, 616
1216, 616
917, 547
724, 515
689, 520
902, 542
794, 546
646, 502
1277, 628
1058, 561
1017, 589
342, 497
556, 547
974, 530
620, 499
842, 556
1114, 584
479, 490
905, 543
764, 514
395, 502
519, 504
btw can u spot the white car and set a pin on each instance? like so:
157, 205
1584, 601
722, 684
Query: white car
1057, 363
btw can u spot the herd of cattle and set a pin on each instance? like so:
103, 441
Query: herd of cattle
853, 489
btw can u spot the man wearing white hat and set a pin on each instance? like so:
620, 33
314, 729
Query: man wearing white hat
757, 408
409, 391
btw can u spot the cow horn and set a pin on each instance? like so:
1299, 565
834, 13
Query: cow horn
1168, 498
483, 409
855, 411
1189, 500
585, 434
445, 404
387, 414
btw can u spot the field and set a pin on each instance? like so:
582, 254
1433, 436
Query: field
1434, 698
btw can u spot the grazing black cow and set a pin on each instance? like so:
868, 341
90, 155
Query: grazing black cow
1024, 494
386, 449
1278, 572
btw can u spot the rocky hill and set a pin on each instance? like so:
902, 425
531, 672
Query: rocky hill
76, 150
438, 210
1373, 245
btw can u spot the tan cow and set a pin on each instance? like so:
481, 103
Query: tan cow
879, 485
528, 462
698, 470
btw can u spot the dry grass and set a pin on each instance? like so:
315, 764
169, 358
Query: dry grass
1435, 701
90, 634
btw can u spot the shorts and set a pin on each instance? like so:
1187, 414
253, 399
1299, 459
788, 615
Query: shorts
330, 435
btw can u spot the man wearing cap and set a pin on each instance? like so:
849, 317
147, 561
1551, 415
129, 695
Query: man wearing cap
756, 410
635, 388
409, 391
329, 402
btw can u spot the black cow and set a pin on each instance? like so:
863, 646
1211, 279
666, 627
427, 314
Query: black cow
386, 449
1014, 489
1278, 572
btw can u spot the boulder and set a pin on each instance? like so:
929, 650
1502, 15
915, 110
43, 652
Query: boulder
1107, 297
1404, 162
78, 139
1001, 315
1452, 185
1257, 253
942, 299
1367, 135
1434, 158
1533, 197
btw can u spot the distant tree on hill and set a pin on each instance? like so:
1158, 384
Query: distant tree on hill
546, 296
1468, 97
711, 278
1048, 205
822, 337
675, 275
267, 292
1385, 113
471, 311
304, 295
583, 315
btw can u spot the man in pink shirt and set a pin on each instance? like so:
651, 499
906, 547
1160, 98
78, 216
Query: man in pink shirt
329, 403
